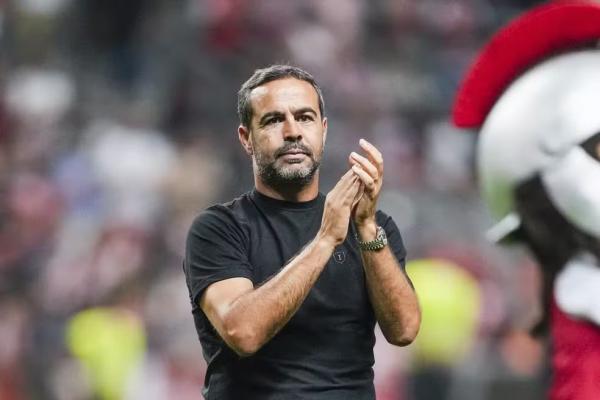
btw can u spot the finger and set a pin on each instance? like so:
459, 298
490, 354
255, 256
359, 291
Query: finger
356, 187
372, 154
345, 191
365, 178
359, 195
345, 194
345, 180
351, 190
346, 176
356, 184
365, 164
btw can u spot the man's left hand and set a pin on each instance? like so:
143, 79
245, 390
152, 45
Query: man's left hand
370, 171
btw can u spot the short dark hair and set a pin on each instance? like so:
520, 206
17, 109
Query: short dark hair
265, 75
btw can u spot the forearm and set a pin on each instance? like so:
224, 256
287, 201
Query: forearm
394, 301
256, 316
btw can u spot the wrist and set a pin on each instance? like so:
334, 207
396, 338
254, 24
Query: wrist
327, 242
367, 230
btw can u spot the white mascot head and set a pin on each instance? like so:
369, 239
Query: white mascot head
534, 94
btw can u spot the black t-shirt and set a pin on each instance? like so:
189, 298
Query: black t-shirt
326, 350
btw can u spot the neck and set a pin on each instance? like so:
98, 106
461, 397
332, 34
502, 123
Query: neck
292, 193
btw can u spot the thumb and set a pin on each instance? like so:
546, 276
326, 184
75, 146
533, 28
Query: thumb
359, 195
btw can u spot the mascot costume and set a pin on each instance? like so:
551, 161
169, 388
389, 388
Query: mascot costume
533, 93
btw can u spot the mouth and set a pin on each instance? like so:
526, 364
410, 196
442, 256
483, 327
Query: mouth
293, 158
294, 153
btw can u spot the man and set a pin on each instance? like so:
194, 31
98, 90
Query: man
534, 92
287, 284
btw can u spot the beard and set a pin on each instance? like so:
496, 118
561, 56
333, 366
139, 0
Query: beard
277, 174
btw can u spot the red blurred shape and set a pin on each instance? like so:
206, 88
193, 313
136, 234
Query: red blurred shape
528, 39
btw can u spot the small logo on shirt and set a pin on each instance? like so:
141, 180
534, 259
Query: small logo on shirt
339, 256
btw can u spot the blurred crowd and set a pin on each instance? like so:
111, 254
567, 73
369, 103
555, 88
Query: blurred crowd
118, 125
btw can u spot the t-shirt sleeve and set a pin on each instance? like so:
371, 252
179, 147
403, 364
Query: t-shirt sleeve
216, 249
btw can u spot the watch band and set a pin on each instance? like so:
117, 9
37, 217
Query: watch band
379, 243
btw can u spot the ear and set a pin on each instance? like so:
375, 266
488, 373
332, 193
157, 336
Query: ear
244, 136
324, 131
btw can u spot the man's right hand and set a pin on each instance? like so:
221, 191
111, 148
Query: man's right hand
338, 207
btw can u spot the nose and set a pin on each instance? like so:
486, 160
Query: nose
291, 130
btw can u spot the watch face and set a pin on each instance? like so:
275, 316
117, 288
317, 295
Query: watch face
381, 235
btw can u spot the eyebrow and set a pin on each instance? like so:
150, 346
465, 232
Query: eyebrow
299, 111
305, 110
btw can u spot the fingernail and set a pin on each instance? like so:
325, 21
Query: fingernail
353, 154
362, 141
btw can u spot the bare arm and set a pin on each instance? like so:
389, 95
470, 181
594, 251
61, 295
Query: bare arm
394, 301
247, 317
393, 298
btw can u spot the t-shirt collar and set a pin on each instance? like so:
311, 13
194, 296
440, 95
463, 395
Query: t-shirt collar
295, 205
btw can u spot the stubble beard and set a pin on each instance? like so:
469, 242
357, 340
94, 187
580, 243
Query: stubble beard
287, 175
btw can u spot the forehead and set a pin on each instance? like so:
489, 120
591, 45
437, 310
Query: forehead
283, 94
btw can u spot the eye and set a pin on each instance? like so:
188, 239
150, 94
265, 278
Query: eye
273, 120
592, 146
305, 118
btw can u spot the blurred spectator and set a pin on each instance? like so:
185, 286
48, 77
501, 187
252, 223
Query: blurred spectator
451, 304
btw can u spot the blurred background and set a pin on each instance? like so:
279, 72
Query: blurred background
118, 125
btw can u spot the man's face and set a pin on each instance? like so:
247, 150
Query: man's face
286, 132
